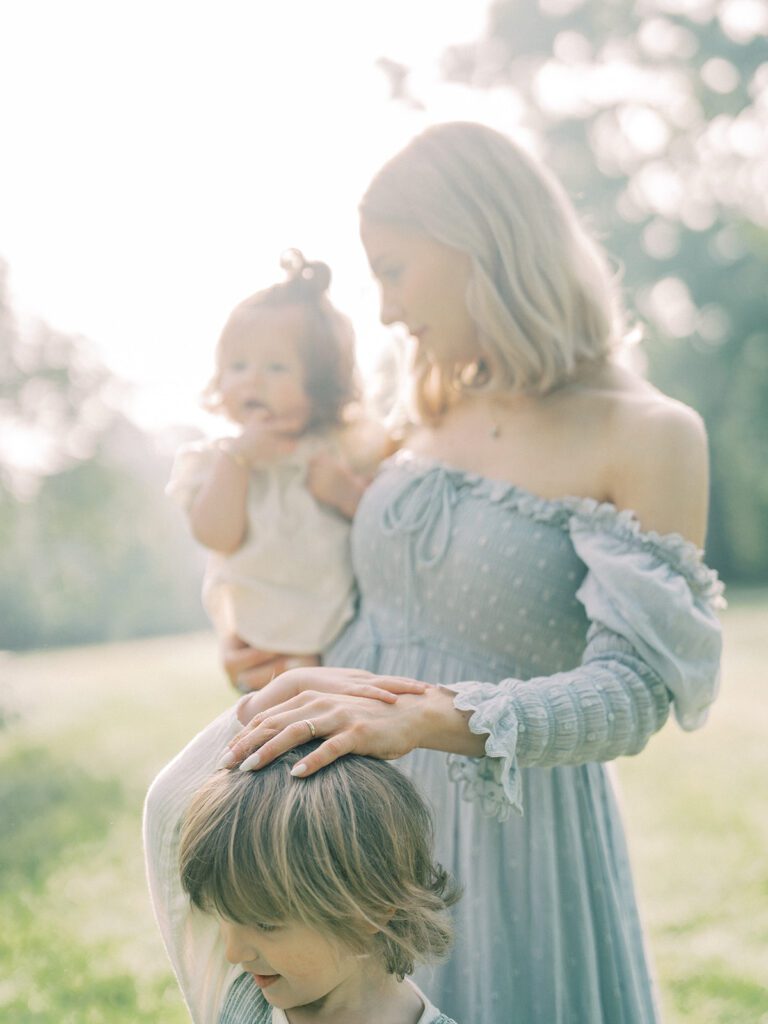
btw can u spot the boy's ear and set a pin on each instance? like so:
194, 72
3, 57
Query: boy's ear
374, 929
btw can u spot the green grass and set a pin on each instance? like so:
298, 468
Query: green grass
696, 807
83, 731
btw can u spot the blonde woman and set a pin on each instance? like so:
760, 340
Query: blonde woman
532, 552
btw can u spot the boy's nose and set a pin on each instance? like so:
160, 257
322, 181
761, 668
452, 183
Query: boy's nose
236, 948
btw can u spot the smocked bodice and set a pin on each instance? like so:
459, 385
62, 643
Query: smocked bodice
460, 564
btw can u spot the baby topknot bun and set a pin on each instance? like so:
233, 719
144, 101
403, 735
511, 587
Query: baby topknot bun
311, 277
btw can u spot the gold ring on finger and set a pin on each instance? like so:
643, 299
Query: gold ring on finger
311, 726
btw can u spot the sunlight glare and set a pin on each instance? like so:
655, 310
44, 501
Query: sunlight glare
161, 156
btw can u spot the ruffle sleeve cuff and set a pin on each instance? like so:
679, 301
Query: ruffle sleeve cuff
654, 640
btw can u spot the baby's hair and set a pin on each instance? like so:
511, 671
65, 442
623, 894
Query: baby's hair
541, 292
346, 851
326, 343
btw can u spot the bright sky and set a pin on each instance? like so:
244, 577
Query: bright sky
160, 154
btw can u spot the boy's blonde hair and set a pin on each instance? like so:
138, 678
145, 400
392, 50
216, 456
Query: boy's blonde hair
346, 851
326, 344
540, 292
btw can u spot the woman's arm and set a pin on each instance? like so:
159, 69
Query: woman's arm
250, 668
659, 467
341, 482
333, 483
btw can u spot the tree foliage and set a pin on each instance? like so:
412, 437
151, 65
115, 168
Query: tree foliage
91, 550
655, 116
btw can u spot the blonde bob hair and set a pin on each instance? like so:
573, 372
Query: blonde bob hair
346, 851
541, 292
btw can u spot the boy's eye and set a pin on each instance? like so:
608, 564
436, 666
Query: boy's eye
263, 927
277, 368
238, 365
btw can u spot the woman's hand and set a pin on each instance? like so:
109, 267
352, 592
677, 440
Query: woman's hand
251, 669
331, 481
354, 711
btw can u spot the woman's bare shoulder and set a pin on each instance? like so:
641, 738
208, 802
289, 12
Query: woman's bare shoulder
632, 410
657, 460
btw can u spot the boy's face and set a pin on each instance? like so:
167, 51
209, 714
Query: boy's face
260, 369
293, 964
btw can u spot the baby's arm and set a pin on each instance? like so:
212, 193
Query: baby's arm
219, 512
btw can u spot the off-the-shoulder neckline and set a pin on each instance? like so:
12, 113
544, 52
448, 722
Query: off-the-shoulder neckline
571, 502
571, 510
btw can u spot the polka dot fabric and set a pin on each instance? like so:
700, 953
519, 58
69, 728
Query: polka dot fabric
569, 634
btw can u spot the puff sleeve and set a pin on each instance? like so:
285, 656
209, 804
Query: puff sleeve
191, 938
654, 641
190, 470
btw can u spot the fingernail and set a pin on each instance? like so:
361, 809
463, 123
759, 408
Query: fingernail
252, 761
299, 769
226, 760
292, 663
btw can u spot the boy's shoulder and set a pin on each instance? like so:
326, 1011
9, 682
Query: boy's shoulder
434, 1016
431, 1014
245, 1003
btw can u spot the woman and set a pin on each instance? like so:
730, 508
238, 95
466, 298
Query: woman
532, 552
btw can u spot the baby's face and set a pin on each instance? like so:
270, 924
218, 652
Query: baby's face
260, 370
292, 964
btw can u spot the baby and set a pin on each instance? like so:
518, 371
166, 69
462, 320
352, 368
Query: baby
273, 502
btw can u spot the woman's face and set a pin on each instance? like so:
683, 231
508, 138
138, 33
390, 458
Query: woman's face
423, 286
292, 964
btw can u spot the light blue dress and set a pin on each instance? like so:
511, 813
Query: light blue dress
569, 633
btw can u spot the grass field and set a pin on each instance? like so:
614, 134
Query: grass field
84, 730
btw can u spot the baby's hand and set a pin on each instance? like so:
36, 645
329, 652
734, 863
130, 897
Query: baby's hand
332, 482
264, 438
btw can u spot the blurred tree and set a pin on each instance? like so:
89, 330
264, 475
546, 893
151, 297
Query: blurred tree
91, 548
54, 399
655, 116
